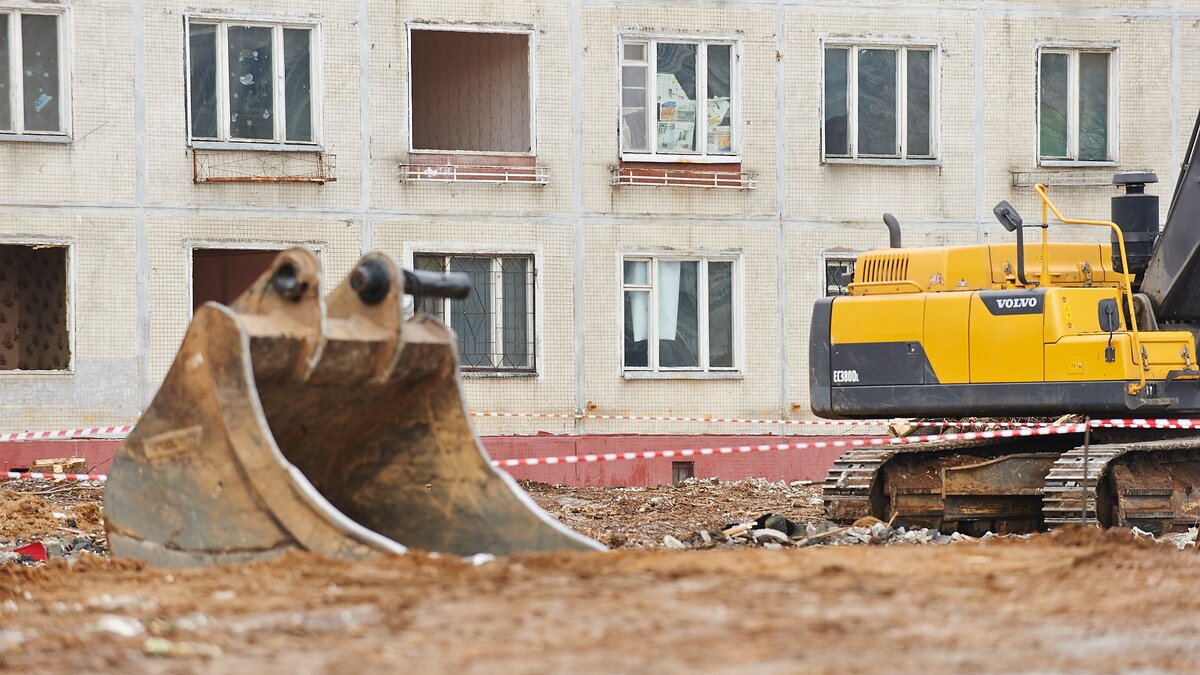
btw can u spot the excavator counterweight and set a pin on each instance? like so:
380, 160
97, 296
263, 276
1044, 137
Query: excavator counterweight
292, 421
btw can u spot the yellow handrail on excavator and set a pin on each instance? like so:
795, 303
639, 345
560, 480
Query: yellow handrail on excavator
1126, 286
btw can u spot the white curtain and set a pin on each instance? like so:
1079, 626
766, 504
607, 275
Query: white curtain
668, 299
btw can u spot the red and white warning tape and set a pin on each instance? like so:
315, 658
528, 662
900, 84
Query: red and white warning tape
56, 476
676, 418
67, 434
1147, 424
806, 445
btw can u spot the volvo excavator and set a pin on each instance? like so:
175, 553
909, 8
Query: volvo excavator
1027, 329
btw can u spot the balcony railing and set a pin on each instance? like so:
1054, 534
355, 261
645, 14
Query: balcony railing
496, 175
236, 166
698, 178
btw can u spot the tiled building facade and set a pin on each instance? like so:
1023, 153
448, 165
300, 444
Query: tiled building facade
648, 195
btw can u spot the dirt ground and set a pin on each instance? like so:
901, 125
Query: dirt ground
1073, 601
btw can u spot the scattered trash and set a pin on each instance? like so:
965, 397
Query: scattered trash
122, 626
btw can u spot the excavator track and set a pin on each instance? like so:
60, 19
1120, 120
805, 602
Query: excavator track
1023, 484
1151, 485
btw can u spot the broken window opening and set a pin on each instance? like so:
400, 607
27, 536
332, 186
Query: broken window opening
32, 79
221, 274
252, 82
34, 329
470, 91
839, 273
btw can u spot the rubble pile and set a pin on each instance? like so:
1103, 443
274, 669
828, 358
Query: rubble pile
1179, 540
773, 530
49, 520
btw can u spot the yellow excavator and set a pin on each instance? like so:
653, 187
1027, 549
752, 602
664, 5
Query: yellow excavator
1024, 329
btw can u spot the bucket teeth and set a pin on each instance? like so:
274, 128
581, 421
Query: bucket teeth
292, 421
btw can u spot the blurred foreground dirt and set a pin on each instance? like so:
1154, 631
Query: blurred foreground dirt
1072, 601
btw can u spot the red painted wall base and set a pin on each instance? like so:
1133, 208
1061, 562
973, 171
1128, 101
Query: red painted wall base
774, 465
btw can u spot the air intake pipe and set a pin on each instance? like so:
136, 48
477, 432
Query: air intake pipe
1136, 213
893, 227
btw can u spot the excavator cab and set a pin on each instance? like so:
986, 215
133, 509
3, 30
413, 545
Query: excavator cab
292, 421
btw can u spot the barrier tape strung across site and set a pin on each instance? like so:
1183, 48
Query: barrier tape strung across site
738, 420
68, 434
56, 476
806, 445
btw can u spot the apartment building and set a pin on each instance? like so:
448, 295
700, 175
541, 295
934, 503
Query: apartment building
647, 195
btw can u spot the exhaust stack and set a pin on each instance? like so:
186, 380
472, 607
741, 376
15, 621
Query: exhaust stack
1136, 213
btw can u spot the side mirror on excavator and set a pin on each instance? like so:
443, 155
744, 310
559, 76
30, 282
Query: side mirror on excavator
1008, 216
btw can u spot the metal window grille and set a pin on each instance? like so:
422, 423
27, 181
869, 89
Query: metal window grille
495, 323
839, 273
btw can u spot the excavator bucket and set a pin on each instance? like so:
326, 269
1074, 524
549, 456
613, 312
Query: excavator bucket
291, 421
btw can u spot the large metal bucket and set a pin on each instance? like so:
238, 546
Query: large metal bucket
290, 421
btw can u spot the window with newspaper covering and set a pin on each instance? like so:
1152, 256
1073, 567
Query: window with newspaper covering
679, 99
495, 322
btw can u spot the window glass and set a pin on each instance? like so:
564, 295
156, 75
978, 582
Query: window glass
39, 54
202, 89
837, 137
676, 85
877, 102
634, 135
678, 314
720, 314
297, 84
471, 317
635, 51
1093, 105
251, 86
637, 329
720, 99
919, 103
5, 86
518, 344
637, 272
1054, 104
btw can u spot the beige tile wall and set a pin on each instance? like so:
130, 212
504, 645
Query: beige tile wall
86, 193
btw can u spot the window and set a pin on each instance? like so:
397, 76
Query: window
1075, 106
470, 91
495, 323
679, 314
676, 74
34, 331
839, 273
221, 274
33, 77
880, 102
252, 82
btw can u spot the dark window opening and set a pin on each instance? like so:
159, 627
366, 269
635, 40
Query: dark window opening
221, 274
470, 91
681, 471
34, 331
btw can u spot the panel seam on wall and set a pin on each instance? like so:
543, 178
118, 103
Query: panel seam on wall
364, 112
781, 197
141, 237
576, 48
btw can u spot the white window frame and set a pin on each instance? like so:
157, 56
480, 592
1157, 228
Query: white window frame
704, 370
530, 36
16, 100
835, 255
857, 44
190, 246
1074, 49
735, 90
533, 311
279, 143
69, 319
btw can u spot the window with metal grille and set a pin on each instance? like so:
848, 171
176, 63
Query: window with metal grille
880, 102
252, 82
34, 322
679, 314
1076, 90
839, 273
33, 78
495, 323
